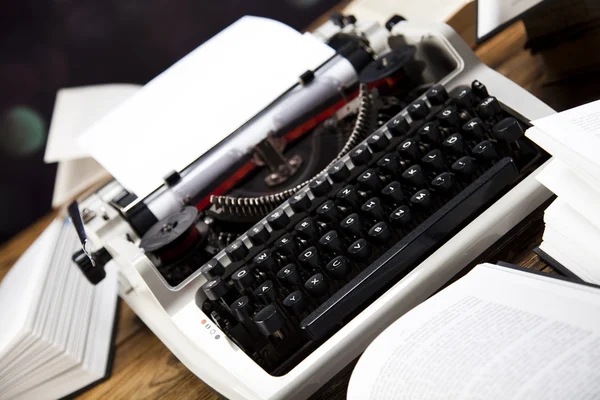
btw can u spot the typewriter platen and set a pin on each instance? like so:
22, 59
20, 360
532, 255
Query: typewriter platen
367, 197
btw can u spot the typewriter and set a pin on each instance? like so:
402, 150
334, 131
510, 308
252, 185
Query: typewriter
268, 281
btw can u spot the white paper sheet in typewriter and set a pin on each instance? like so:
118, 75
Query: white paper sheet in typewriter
200, 100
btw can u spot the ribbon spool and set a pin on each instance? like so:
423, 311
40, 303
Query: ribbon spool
176, 241
388, 65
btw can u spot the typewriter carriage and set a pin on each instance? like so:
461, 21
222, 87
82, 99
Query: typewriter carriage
308, 144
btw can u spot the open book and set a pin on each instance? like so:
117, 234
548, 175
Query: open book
56, 329
573, 136
573, 221
570, 239
497, 333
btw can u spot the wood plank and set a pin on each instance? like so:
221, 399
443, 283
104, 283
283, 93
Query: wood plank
145, 368
462, 23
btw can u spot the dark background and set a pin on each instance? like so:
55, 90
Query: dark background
49, 44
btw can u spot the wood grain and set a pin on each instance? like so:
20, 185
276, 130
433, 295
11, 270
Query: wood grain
145, 368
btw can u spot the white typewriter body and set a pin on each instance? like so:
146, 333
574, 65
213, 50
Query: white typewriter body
179, 323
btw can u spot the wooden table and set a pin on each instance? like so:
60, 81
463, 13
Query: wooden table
145, 368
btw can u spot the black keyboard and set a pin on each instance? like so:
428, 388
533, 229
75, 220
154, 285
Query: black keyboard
362, 226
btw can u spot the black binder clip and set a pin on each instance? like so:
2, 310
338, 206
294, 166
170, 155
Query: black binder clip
90, 263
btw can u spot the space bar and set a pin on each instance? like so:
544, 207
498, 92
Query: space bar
411, 249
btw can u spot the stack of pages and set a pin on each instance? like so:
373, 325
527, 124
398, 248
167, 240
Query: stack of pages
56, 328
572, 233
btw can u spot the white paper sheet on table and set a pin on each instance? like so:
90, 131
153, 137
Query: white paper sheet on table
422, 10
75, 110
492, 14
572, 188
200, 100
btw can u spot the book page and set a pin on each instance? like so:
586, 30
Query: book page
571, 255
585, 169
559, 254
497, 333
577, 129
571, 188
570, 223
